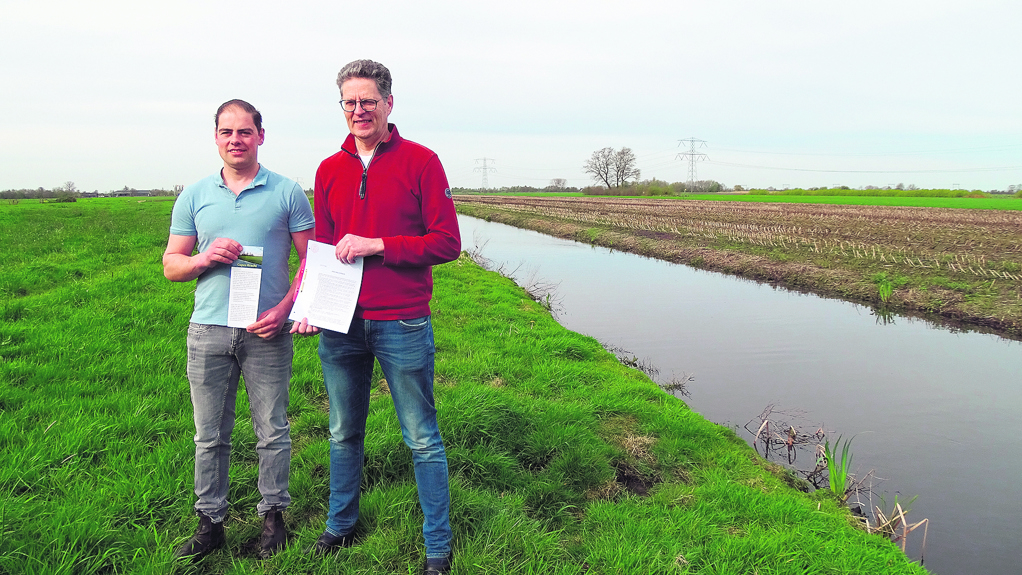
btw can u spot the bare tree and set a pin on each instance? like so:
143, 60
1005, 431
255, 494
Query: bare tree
612, 168
624, 167
600, 166
558, 183
69, 187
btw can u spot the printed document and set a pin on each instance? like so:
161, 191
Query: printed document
246, 274
329, 289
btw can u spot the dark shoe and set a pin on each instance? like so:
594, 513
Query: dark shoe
274, 534
328, 543
437, 565
208, 537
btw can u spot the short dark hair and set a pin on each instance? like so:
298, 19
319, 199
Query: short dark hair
369, 70
257, 118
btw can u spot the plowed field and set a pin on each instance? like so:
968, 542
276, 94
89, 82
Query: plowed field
962, 267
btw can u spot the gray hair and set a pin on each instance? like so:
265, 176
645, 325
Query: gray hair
369, 70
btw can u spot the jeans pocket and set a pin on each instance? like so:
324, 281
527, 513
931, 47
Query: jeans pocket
414, 324
198, 328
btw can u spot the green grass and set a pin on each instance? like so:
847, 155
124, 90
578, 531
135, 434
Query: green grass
542, 427
984, 203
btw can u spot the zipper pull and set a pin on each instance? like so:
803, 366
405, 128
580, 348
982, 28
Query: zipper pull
362, 188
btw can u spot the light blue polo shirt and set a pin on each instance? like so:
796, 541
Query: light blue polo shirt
263, 214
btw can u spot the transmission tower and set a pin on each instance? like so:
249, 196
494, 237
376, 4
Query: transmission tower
484, 169
692, 156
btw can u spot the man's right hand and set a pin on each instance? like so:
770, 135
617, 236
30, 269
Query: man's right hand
179, 265
222, 251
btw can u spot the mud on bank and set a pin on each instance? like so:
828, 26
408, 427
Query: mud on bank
962, 268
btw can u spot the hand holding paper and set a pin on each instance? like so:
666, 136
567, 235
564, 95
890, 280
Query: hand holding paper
328, 291
246, 277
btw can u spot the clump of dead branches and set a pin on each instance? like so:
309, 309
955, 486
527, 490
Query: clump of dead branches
780, 434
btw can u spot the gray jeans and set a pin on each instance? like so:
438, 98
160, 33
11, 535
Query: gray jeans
217, 356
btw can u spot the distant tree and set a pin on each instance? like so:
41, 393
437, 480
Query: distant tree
624, 167
612, 168
600, 166
66, 193
559, 183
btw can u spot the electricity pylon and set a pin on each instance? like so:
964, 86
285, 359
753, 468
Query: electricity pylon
484, 169
693, 156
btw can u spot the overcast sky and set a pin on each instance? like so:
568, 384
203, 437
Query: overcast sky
784, 93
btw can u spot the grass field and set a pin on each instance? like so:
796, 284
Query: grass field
957, 266
985, 203
1009, 203
563, 461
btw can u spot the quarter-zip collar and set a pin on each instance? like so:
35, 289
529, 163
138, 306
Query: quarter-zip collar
351, 148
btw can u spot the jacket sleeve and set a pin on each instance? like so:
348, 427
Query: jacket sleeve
442, 240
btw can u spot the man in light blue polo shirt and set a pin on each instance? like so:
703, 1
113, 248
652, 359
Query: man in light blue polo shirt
244, 205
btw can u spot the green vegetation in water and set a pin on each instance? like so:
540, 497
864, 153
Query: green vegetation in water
886, 285
839, 461
562, 460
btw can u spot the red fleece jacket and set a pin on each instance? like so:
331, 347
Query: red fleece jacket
407, 202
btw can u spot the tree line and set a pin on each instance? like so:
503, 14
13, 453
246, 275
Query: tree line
68, 191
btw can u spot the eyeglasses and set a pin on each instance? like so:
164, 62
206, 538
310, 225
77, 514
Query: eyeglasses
367, 105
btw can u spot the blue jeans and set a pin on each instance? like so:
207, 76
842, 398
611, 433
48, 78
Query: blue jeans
217, 356
405, 351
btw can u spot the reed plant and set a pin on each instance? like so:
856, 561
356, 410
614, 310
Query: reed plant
839, 460
884, 287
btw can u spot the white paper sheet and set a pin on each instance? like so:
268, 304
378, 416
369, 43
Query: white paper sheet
246, 275
329, 289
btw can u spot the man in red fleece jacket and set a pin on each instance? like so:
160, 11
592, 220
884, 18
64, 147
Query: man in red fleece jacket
387, 200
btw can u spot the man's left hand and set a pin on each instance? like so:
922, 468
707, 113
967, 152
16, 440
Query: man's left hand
352, 246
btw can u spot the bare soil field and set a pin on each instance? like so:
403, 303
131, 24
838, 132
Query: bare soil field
960, 267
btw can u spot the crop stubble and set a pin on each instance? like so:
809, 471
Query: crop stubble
962, 266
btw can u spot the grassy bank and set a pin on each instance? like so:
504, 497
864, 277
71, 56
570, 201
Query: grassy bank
562, 460
962, 267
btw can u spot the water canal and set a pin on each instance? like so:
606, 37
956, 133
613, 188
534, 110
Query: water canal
934, 413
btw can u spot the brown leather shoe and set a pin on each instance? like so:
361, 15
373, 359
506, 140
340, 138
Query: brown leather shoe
208, 537
274, 534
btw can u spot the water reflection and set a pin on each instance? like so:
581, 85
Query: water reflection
932, 410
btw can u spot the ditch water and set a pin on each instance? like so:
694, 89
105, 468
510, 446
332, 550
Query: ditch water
934, 413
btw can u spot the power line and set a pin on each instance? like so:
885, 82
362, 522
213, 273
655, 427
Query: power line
955, 171
1000, 147
484, 169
